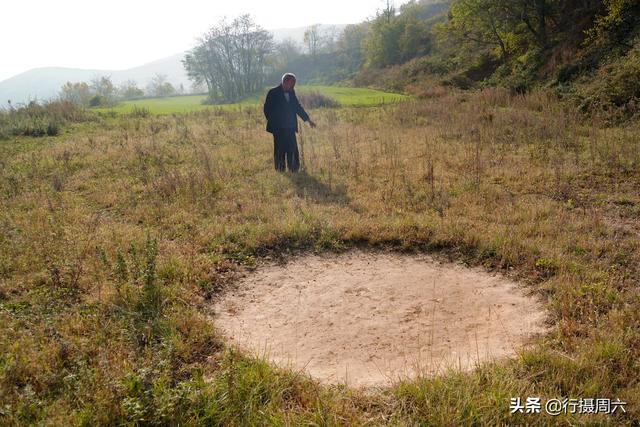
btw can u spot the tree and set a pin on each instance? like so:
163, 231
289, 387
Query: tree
381, 47
482, 22
494, 22
394, 38
312, 39
79, 93
231, 59
159, 86
389, 11
104, 88
129, 90
285, 53
534, 15
349, 46
287, 49
415, 39
319, 39
616, 23
330, 36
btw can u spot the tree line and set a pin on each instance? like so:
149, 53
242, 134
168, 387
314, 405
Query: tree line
565, 44
237, 58
101, 91
511, 42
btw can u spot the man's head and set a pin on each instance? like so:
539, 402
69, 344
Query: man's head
288, 81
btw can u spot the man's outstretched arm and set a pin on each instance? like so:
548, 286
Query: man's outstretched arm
303, 114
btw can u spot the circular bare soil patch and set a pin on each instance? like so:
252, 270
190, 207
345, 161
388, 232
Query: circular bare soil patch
368, 319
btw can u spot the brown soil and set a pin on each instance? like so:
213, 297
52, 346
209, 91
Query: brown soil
368, 319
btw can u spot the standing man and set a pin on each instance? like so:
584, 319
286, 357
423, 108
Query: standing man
280, 109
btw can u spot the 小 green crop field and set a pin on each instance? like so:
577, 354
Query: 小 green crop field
345, 96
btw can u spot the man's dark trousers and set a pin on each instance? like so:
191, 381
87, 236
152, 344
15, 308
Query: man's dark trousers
285, 146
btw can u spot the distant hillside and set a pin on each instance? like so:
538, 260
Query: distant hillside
44, 83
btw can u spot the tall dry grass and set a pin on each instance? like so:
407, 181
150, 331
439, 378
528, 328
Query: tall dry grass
39, 119
114, 238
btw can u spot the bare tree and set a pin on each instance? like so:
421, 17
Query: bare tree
330, 37
79, 93
313, 39
129, 90
103, 87
159, 86
231, 59
285, 52
389, 11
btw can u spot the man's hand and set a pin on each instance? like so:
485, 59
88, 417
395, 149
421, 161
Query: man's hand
312, 123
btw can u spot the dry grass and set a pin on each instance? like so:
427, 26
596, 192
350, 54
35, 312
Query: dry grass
113, 238
39, 119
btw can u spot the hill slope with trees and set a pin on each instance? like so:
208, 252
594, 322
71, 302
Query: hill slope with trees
585, 50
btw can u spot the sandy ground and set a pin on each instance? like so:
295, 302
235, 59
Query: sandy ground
368, 319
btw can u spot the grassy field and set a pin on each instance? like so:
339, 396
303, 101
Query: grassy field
116, 235
179, 104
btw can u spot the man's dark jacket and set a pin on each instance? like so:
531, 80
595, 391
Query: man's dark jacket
281, 114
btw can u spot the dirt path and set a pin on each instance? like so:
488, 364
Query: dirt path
367, 319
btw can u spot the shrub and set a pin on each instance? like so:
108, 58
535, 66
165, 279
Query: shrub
614, 89
98, 101
317, 100
460, 81
139, 112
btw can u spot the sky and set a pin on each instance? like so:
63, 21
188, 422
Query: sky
119, 34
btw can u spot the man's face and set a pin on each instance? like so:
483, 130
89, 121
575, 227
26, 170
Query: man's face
288, 83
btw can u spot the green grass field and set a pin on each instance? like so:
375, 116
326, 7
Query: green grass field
346, 96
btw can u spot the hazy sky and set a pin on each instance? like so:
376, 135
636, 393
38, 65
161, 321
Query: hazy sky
120, 34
